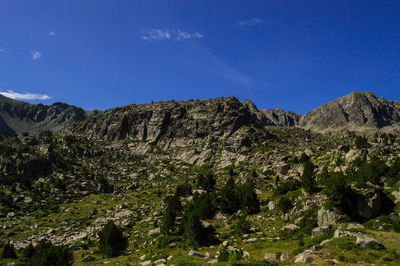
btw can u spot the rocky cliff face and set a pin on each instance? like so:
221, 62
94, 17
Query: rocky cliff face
195, 130
273, 117
17, 117
355, 111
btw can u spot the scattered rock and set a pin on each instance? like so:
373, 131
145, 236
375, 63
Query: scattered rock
195, 253
285, 256
305, 257
154, 232
270, 256
320, 231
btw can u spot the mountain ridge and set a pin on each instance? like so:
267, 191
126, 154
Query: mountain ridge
357, 111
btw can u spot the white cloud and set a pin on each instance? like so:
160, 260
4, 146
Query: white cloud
35, 55
24, 96
251, 22
52, 33
173, 35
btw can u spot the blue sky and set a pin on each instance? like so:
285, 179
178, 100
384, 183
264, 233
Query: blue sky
292, 54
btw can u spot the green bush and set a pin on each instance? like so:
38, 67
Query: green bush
111, 240
284, 204
28, 251
206, 181
285, 187
242, 226
46, 254
361, 142
223, 255
8, 252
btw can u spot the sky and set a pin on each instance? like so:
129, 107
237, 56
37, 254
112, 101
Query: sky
290, 54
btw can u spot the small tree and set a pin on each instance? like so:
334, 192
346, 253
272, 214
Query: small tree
229, 198
111, 240
28, 251
204, 205
206, 181
168, 221
46, 254
8, 252
307, 179
250, 202
361, 142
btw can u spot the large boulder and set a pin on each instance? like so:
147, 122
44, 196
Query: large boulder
368, 202
329, 217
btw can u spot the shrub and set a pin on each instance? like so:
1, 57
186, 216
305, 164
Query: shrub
46, 254
28, 251
8, 252
396, 225
285, 187
111, 240
206, 181
284, 204
183, 190
361, 142
223, 255
242, 226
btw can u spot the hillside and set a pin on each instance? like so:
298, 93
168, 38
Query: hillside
18, 117
205, 182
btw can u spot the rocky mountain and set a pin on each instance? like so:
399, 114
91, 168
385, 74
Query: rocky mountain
192, 129
17, 117
355, 111
273, 117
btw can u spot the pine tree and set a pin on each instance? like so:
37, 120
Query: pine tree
229, 198
111, 240
307, 179
250, 202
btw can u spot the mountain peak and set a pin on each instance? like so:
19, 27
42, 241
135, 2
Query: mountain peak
354, 111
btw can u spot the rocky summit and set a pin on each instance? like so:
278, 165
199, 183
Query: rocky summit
200, 182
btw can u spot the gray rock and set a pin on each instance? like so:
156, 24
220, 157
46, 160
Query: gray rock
27, 200
365, 240
329, 217
154, 232
270, 257
195, 253
291, 227
320, 231
304, 257
285, 256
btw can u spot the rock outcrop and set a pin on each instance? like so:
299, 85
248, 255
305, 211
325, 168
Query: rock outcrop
355, 111
17, 117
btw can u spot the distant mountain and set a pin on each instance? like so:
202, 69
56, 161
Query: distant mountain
17, 117
355, 111
273, 117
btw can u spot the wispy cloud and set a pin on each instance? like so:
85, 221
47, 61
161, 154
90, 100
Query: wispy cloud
35, 55
172, 35
52, 33
220, 68
24, 96
251, 22
2, 50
